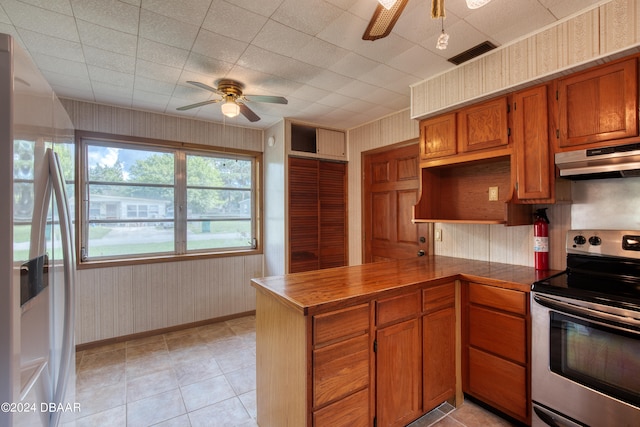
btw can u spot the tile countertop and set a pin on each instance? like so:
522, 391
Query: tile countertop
321, 290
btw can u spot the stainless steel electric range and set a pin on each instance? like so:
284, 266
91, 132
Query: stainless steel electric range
586, 334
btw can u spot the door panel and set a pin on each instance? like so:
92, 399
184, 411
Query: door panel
391, 188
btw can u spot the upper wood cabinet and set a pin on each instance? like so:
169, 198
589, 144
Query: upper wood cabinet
534, 162
599, 104
438, 136
483, 126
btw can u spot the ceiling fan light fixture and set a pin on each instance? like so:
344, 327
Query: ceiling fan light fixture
230, 108
475, 4
387, 4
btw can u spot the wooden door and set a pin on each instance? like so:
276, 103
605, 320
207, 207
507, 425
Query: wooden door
398, 374
391, 185
303, 215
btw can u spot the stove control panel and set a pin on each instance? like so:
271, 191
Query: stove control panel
617, 243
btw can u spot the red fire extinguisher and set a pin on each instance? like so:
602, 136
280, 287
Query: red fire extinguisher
541, 239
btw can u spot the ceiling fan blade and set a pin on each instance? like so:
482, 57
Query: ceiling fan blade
248, 113
383, 20
205, 87
197, 104
266, 98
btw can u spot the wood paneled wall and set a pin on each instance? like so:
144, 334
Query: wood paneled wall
118, 301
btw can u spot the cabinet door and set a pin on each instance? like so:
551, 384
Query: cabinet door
483, 126
331, 144
438, 136
303, 215
439, 357
599, 105
531, 139
333, 211
398, 374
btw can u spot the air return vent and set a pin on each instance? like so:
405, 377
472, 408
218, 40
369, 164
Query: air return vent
475, 51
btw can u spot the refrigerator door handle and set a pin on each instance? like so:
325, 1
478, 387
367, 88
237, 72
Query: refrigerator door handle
66, 228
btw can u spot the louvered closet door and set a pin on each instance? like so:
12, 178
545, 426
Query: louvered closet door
317, 214
304, 203
333, 227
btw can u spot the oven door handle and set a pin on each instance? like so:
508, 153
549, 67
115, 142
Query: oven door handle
551, 420
620, 322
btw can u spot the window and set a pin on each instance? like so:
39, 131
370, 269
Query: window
151, 200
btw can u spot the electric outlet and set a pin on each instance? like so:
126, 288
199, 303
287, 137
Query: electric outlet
438, 235
493, 194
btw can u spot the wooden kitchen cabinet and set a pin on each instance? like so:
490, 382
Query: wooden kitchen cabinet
535, 175
438, 136
496, 354
599, 104
438, 345
398, 360
317, 214
483, 126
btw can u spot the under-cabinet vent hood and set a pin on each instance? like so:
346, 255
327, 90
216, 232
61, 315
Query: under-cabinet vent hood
619, 161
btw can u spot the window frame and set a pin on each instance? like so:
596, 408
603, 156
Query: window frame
181, 150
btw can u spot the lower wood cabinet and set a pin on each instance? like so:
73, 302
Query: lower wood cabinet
388, 360
496, 350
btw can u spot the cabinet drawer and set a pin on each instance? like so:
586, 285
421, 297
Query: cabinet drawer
397, 308
498, 333
352, 411
340, 324
500, 298
499, 382
340, 369
440, 296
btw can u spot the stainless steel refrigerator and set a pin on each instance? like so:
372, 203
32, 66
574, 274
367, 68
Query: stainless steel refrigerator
37, 268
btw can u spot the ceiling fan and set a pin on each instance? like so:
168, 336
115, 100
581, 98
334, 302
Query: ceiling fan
233, 100
388, 11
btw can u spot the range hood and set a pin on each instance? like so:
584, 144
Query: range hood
619, 161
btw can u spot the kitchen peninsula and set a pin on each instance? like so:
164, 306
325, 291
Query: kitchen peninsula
389, 341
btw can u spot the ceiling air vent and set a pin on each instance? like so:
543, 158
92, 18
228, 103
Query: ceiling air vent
475, 51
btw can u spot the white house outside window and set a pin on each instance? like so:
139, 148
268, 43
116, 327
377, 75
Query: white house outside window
142, 200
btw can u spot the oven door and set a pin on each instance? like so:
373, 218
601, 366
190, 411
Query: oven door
585, 363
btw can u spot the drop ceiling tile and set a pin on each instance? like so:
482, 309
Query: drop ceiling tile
309, 16
308, 93
353, 65
161, 53
148, 99
191, 12
39, 20
112, 14
109, 60
223, 18
106, 38
329, 80
106, 95
355, 88
343, 4
162, 29
4, 18
272, 63
345, 31
218, 46
72, 92
153, 86
419, 62
320, 53
65, 49
206, 66
281, 39
384, 49
111, 78
155, 71
61, 78
334, 99
51, 63
60, 6
263, 7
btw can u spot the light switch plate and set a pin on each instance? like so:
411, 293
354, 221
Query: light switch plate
493, 194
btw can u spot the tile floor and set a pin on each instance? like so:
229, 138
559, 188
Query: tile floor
203, 376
